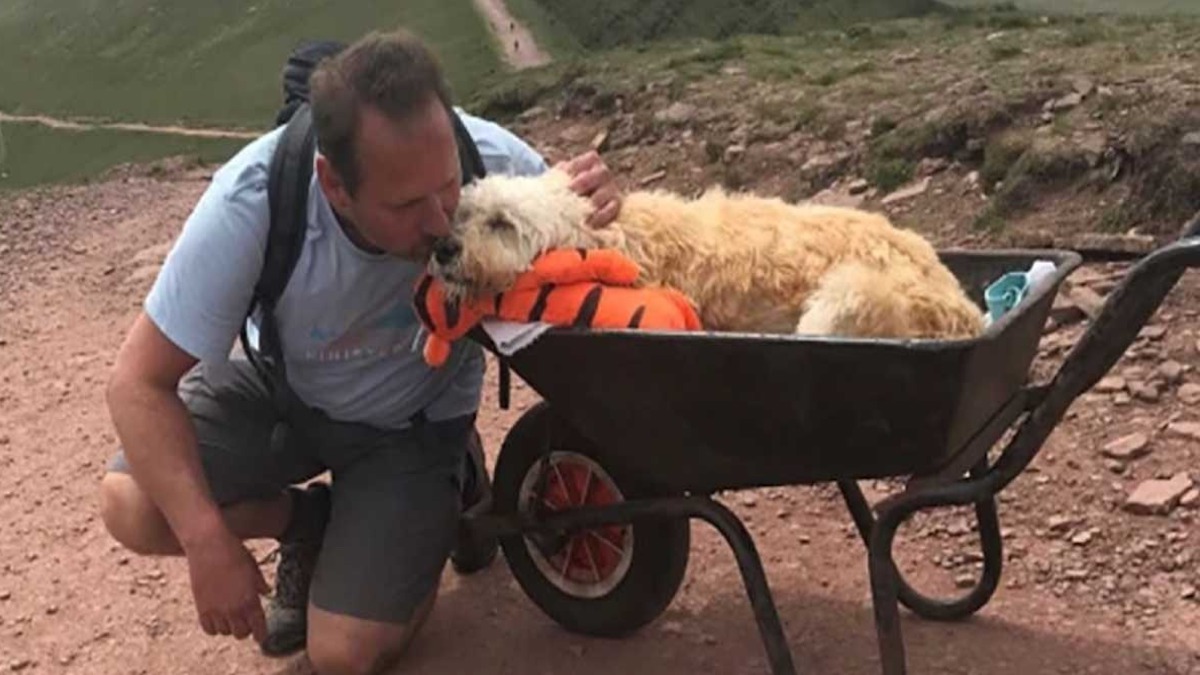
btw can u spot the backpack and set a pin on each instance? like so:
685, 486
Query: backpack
289, 177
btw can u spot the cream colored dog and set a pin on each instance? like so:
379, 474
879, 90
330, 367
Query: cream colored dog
750, 264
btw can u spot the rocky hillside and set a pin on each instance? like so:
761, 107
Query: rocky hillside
1027, 128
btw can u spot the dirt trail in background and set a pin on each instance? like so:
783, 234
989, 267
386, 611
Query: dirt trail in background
58, 123
520, 49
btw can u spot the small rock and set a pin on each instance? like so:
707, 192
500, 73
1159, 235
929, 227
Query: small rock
972, 179
1171, 371
1187, 592
1127, 447
749, 501
52, 610
1084, 86
931, 165
600, 141
1067, 102
676, 113
1110, 385
1082, 539
653, 178
782, 514
1146, 391
1158, 496
964, 580
1189, 393
1115, 466
19, 665
1087, 300
1153, 332
672, 628
1192, 138
1076, 574
1190, 498
903, 194
733, 152
858, 186
1186, 429
1059, 523
709, 640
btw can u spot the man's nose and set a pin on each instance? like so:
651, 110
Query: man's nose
436, 223
446, 249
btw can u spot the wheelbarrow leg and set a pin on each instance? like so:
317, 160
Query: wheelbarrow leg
720, 517
755, 580
885, 595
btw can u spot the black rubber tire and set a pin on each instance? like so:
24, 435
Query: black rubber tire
661, 548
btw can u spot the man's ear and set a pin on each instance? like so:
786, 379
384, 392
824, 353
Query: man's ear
333, 185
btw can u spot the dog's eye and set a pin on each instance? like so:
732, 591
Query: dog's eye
500, 223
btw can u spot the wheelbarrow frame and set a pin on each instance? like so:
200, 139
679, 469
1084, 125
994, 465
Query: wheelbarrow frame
1035, 410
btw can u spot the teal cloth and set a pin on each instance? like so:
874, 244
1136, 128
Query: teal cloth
1005, 293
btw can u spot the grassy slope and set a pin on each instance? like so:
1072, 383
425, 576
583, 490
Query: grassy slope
34, 154
1106, 6
215, 62
599, 25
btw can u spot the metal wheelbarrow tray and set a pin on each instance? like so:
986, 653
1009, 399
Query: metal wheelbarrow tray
639, 428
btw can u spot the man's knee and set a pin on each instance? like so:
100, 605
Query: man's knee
131, 518
341, 645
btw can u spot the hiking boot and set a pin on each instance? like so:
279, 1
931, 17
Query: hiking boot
287, 610
474, 553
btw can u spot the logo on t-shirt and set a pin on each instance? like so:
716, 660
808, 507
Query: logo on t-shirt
381, 332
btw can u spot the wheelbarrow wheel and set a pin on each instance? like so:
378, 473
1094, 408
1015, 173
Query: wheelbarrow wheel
608, 581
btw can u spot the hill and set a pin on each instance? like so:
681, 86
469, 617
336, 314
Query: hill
582, 24
202, 63
1144, 7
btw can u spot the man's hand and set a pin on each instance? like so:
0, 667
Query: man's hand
592, 179
226, 585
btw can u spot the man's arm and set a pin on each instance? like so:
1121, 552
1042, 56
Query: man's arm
156, 433
159, 440
193, 312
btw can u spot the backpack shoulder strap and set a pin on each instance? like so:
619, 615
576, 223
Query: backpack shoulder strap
287, 189
468, 152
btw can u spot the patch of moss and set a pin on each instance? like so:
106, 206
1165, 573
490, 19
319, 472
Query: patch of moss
890, 174
999, 156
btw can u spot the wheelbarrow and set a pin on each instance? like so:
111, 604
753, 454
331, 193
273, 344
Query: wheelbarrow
637, 430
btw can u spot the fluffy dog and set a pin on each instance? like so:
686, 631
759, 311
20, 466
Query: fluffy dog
750, 264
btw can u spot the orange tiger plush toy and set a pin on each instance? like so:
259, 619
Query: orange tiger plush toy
565, 287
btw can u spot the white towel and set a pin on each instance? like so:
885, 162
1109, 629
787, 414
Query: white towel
511, 336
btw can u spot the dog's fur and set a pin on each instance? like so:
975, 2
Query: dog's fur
749, 263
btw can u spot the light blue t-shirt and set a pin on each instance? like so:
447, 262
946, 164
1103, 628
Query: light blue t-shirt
351, 339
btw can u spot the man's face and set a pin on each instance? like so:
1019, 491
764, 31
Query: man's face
409, 182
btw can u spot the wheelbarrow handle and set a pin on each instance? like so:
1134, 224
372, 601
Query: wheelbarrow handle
1126, 311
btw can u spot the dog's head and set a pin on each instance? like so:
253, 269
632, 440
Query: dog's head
501, 225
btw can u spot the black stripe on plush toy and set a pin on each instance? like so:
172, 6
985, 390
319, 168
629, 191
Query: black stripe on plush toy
421, 297
582, 253
539, 306
452, 315
636, 320
587, 309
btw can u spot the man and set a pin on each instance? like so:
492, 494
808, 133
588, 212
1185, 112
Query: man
204, 465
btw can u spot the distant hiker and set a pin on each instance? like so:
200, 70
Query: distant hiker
213, 448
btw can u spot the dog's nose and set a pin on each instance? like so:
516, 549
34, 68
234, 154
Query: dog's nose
446, 249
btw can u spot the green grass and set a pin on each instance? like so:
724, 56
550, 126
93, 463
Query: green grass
612, 23
1093, 6
553, 36
34, 154
215, 62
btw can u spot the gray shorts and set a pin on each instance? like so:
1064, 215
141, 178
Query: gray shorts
395, 493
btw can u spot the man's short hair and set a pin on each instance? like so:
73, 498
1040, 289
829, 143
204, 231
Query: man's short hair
394, 72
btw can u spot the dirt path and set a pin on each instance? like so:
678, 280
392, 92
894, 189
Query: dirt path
58, 123
520, 49
74, 265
